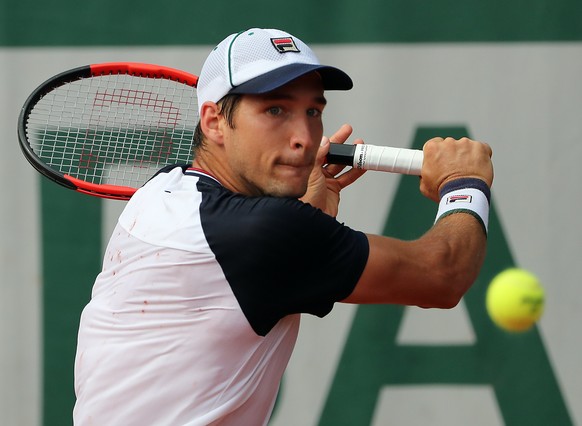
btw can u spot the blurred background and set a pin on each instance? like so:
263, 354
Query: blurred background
504, 72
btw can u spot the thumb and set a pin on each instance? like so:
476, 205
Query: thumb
322, 151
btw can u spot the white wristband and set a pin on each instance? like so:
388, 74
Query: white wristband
468, 200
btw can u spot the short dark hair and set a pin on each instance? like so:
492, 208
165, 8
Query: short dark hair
226, 107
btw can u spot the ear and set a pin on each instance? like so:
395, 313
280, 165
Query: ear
211, 122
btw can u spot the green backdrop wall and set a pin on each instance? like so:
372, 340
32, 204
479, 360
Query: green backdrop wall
360, 35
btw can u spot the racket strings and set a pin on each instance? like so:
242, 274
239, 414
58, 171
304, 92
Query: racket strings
114, 129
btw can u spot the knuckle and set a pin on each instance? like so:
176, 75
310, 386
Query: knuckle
431, 143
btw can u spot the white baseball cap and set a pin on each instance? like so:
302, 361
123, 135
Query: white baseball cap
260, 60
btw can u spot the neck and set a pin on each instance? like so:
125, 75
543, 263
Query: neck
209, 163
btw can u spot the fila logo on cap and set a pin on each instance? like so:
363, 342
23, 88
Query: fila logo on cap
284, 44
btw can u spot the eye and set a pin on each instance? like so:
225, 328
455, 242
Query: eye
314, 112
274, 110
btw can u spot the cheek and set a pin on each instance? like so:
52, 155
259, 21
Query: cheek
317, 131
248, 159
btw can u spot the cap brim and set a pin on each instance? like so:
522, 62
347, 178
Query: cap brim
332, 78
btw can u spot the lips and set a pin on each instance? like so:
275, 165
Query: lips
295, 165
298, 163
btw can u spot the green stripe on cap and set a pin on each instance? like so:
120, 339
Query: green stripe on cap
229, 58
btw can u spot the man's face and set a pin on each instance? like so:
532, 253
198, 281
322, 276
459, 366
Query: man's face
272, 148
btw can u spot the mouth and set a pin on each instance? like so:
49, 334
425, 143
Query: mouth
297, 163
297, 169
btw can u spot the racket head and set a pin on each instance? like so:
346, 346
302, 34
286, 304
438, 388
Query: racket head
105, 129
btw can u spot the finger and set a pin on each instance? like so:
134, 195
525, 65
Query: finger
349, 177
342, 134
352, 175
335, 169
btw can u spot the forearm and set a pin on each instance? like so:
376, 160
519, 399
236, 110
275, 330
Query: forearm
455, 249
434, 271
437, 269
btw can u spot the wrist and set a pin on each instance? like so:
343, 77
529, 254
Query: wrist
465, 195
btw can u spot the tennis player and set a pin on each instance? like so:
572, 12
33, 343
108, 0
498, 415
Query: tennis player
195, 314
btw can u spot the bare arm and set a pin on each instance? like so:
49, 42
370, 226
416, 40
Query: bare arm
434, 271
437, 269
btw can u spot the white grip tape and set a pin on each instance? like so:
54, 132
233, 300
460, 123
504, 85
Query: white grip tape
468, 200
388, 159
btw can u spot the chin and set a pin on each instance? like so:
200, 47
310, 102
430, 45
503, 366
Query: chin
284, 189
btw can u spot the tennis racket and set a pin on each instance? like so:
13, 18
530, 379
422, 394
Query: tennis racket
105, 129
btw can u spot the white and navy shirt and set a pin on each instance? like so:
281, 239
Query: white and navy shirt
195, 314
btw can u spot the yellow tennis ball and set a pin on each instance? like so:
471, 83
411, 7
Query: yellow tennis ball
515, 299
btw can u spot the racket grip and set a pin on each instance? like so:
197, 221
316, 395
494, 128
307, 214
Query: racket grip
381, 158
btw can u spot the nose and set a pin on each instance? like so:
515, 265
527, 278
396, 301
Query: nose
304, 134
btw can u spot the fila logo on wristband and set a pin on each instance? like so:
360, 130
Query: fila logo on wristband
466, 200
459, 199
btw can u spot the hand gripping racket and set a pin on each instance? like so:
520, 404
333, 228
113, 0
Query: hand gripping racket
105, 129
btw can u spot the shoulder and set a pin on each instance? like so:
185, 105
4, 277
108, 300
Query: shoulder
281, 256
279, 231
265, 218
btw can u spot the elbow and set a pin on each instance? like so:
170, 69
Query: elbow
450, 281
449, 291
449, 298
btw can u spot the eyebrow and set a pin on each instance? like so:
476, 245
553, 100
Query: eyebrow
321, 100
